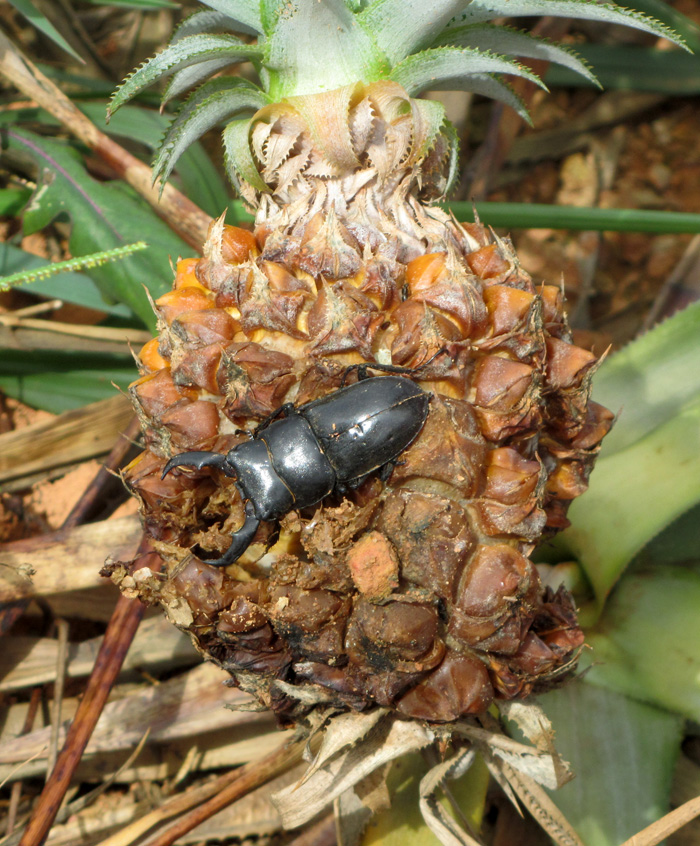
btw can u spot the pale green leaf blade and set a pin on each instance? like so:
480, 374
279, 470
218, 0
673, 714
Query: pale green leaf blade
187, 78
651, 379
647, 642
622, 753
319, 47
245, 11
186, 52
494, 89
485, 10
215, 101
401, 27
633, 494
663, 11
512, 42
239, 159
450, 68
43, 24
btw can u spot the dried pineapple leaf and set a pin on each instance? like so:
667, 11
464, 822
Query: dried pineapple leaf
400, 27
451, 68
215, 101
486, 10
246, 12
442, 824
326, 115
512, 42
390, 739
539, 804
188, 51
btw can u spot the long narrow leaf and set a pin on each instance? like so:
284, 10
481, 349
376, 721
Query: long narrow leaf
188, 51
449, 68
512, 42
43, 24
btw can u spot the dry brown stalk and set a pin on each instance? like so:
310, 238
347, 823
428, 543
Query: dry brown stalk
59, 685
181, 214
209, 798
16, 794
120, 632
85, 506
667, 825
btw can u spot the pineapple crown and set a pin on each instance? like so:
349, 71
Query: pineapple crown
308, 47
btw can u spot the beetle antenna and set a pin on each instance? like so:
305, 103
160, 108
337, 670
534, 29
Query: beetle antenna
199, 460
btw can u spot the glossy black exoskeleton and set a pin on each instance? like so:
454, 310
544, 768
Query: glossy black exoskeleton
330, 444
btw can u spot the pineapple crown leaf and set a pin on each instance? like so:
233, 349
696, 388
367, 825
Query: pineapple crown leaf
487, 85
316, 47
452, 68
188, 51
213, 102
428, 122
452, 136
240, 163
209, 20
401, 27
480, 11
513, 42
246, 12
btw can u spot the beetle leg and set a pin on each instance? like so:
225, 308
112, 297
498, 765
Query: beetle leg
283, 411
198, 460
388, 368
240, 540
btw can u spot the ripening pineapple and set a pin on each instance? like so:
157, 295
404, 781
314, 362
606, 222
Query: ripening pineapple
413, 592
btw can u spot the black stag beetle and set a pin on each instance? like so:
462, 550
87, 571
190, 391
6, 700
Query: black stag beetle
329, 444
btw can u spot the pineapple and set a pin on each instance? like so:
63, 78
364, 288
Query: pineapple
414, 594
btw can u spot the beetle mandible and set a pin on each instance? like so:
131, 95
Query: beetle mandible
329, 444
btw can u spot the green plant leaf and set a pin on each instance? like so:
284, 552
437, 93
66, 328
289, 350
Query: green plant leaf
188, 51
622, 753
103, 216
239, 158
400, 27
634, 69
650, 380
209, 20
43, 24
59, 381
678, 22
143, 5
646, 644
487, 10
13, 200
512, 42
633, 495
212, 103
542, 216
450, 68
245, 11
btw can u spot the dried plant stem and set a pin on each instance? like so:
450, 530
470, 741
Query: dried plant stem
91, 497
16, 794
667, 825
182, 215
120, 632
61, 664
206, 800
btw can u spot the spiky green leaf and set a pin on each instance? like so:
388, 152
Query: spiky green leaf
451, 68
239, 159
43, 24
512, 42
188, 51
319, 47
209, 20
246, 12
485, 10
400, 27
215, 101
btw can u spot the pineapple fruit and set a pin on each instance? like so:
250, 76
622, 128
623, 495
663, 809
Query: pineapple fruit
415, 594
